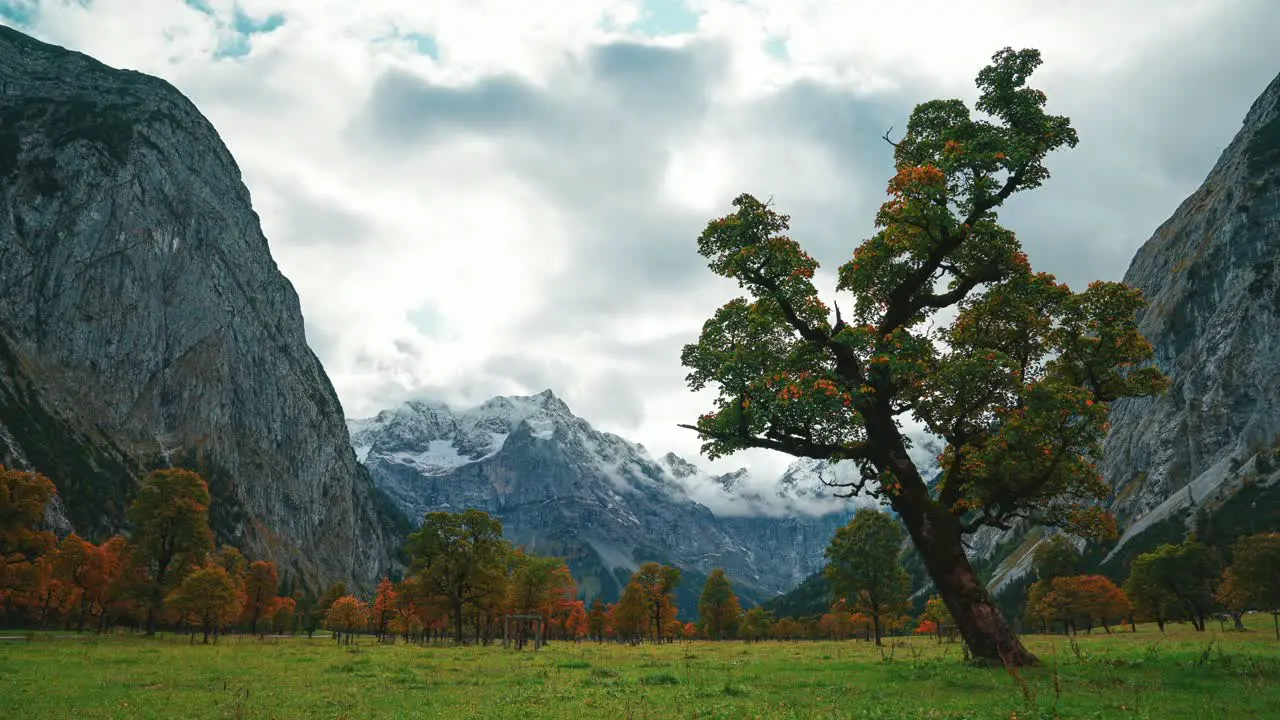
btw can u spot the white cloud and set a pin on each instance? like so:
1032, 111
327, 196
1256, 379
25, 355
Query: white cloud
520, 204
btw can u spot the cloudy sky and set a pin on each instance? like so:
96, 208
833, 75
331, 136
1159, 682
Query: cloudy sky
480, 197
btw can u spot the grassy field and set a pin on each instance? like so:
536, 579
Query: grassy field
1183, 674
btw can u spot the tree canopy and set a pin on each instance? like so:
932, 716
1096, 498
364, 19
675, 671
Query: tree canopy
170, 516
718, 608
208, 597
657, 584
863, 566
23, 497
1174, 581
1058, 557
459, 556
1255, 573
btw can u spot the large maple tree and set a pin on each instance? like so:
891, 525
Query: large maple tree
1018, 385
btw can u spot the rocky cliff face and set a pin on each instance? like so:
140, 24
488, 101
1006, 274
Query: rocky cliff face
565, 488
1211, 274
143, 321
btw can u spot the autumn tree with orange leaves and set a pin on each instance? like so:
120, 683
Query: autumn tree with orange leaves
1018, 385
628, 619
597, 618
935, 611
260, 584
1079, 599
208, 598
103, 591
657, 584
837, 623
74, 564
540, 585
572, 620
283, 615
345, 616
719, 611
23, 498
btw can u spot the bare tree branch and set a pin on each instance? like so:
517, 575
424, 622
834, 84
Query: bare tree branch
791, 445
867, 474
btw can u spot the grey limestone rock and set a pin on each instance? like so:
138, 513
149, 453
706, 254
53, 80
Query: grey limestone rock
143, 322
1211, 275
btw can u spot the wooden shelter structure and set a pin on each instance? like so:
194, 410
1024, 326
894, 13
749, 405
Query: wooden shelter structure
517, 628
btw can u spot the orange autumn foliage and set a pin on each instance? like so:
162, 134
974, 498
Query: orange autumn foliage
23, 498
383, 609
1079, 599
260, 585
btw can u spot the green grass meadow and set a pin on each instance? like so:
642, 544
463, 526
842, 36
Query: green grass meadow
1182, 674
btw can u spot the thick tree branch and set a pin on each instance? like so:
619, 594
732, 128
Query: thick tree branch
952, 486
791, 445
997, 522
847, 364
964, 287
807, 331
1010, 185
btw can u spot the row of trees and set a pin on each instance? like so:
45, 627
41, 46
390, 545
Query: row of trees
1176, 582
165, 572
465, 574
1191, 581
464, 577
1188, 581
168, 572
870, 586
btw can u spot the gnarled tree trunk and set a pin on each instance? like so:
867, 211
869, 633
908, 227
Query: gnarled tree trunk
936, 534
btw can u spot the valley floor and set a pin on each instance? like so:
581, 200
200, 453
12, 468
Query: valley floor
1182, 674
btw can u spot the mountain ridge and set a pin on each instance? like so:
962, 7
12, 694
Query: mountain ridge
565, 487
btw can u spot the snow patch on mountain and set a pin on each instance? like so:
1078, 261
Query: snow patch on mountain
454, 438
